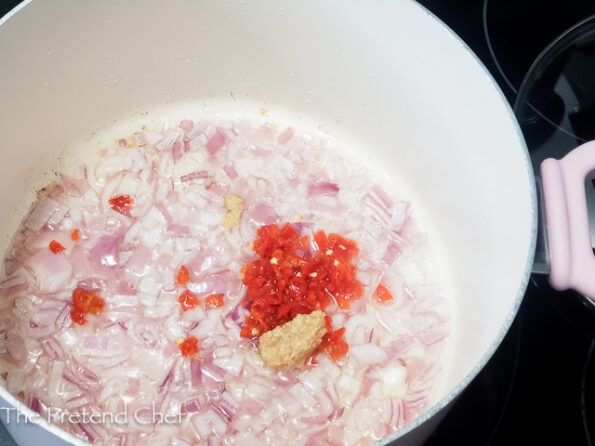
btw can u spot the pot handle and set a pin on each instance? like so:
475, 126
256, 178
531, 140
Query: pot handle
572, 263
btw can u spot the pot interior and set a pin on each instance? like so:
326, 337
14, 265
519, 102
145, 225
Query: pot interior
386, 79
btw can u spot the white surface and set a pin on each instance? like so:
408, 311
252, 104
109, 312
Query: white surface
383, 75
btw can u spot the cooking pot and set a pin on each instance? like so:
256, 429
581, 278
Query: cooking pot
386, 77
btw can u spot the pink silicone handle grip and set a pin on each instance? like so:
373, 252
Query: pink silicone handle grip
567, 219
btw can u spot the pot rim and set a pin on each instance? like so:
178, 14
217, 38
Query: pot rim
458, 389
526, 159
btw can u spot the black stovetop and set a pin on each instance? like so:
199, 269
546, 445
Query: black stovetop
539, 387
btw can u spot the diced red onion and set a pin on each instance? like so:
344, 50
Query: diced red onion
217, 141
90, 285
88, 431
96, 342
77, 401
167, 378
382, 197
263, 214
316, 419
52, 271
106, 250
399, 346
133, 387
177, 151
252, 407
137, 264
230, 171
338, 413
43, 211
392, 252
218, 188
323, 188
378, 209
168, 140
285, 136
368, 353
195, 372
196, 143
433, 335
235, 313
192, 406
16, 347
224, 409
80, 376
194, 176
213, 371
178, 229
186, 125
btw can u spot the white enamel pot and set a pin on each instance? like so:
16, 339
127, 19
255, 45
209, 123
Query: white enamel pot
387, 74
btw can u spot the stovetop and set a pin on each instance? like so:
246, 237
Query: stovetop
539, 387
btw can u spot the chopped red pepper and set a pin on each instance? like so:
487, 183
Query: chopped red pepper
56, 247
288, 280
76, 234
84, 303
189, 346
121, 204
183, 276
78, 316
216, 300
382, 294
334, 344
188, 300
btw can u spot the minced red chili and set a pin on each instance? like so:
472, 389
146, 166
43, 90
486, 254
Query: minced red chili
85, 302
56, 247
188, 300
288, 280
382, 294
215, 300
183, 276
189, 346
121, 204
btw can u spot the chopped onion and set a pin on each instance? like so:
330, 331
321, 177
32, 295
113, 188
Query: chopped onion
285, 136
231, 172
128, 356
95, 342
177, 151
252, 407
195, 372
392, 252
323, 188
224, 409
43, 211
192, 406
212, 371
51, 271
216, 142
194, 176
433, 335
368, 353
186, 125
400, 345
106, 250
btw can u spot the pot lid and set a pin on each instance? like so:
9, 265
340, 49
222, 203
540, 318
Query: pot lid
555, 105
